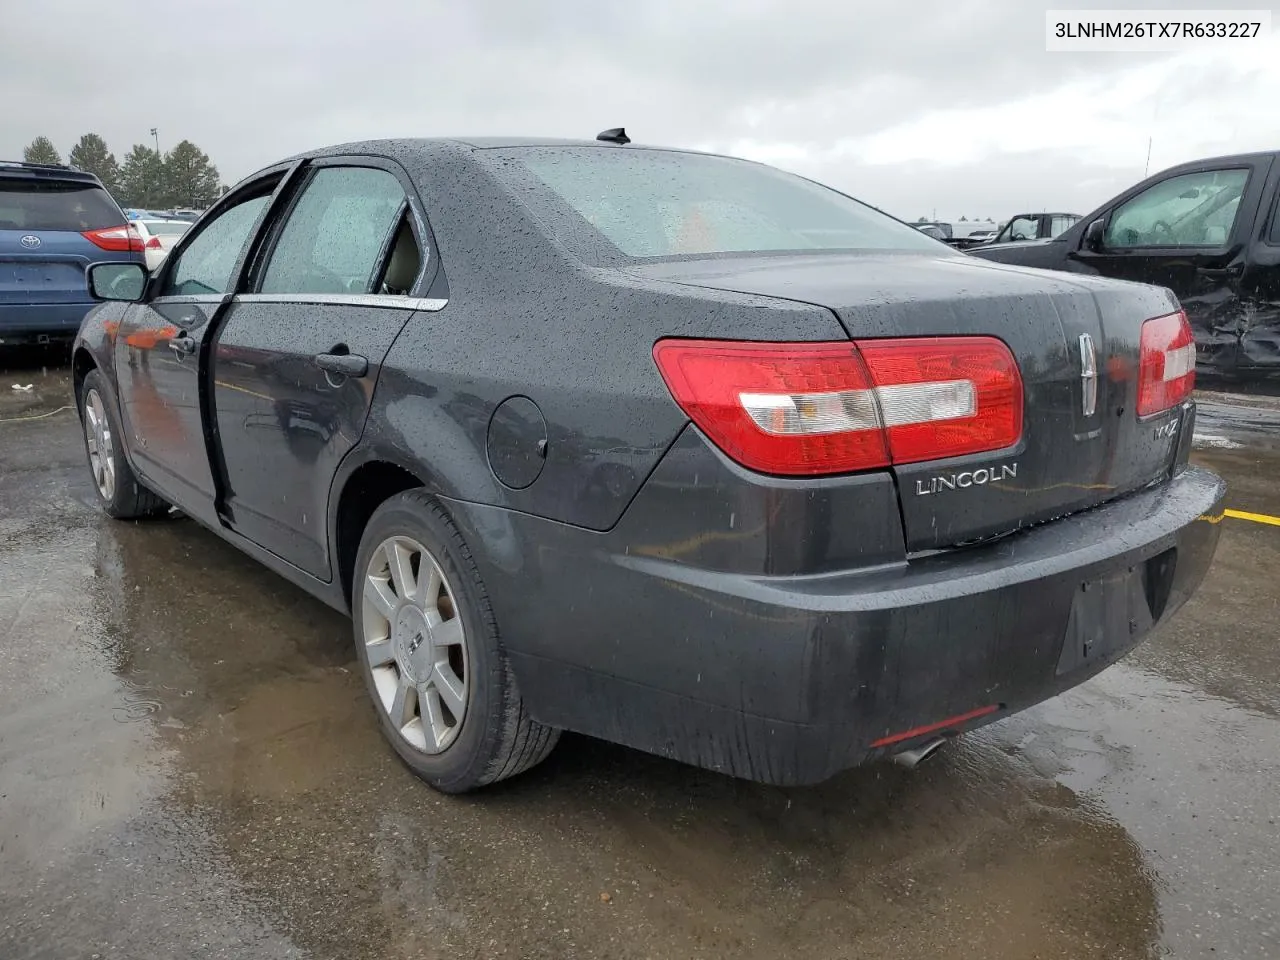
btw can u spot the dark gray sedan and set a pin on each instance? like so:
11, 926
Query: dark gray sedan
663, 447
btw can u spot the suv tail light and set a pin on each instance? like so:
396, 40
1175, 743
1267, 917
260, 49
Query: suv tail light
1167, 365
123, 238
818, 408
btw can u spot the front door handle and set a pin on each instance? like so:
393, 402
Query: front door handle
342, 364
1219, 273
183, 346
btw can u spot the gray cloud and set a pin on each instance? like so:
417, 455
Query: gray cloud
253, 81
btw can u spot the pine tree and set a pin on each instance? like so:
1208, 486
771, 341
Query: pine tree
91, 155
190, 179
142, 182
41, 150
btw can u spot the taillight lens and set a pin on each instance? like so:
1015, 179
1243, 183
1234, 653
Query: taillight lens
123, 238
1167, 368
153, 243
819, 408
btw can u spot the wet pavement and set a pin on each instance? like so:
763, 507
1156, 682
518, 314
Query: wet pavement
189, 768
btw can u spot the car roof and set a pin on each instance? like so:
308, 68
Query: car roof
46, 171
418, 145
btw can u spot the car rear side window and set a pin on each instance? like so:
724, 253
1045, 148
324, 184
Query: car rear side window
206, 264
653, 203
337, 234
1061, 224
30, 204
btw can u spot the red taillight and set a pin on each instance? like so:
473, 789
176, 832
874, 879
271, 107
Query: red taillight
817, 408
154, 243
122, 239
1167, 368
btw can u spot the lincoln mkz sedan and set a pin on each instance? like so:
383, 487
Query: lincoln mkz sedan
667, 448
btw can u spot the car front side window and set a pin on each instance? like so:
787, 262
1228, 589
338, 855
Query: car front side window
337, 234
205, 265
1191, 210
1021, 228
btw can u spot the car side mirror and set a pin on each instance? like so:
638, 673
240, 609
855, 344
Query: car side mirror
1093, 235
117, 281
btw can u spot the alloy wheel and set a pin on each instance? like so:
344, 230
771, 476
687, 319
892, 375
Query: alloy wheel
415, 643
97, 432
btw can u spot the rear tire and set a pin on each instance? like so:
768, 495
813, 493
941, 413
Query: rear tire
428, 647
120, 492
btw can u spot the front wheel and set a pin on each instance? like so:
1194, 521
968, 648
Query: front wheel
427, 644
120, 492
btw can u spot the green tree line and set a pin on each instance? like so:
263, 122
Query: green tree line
183, 177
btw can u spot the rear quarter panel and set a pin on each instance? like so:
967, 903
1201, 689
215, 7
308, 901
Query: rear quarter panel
525, 319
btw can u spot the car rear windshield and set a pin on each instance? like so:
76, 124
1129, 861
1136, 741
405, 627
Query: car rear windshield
166, 228
55, 205
648, 204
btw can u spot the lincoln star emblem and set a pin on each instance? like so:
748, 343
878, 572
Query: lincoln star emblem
30, 241
1088, 376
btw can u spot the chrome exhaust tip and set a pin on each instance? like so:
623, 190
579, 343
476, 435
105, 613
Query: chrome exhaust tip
914, 757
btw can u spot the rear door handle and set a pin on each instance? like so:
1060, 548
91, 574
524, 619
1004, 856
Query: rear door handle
343, 364
184, 346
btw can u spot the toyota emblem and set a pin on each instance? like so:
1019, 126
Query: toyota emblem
30, 241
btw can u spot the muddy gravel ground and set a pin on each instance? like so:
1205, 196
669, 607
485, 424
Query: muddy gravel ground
189, 768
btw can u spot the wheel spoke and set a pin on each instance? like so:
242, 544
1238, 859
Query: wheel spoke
403, 704
432, 715
452, 690
428, 586
378, 593
399, 560
446, 633
379, 653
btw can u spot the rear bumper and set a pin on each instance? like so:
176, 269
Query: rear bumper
24, 322
790, 679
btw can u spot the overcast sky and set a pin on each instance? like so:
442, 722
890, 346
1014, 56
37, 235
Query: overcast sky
913, 105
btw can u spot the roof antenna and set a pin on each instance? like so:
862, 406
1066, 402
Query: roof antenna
614, 135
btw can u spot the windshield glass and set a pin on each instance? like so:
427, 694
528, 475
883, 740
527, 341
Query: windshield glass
650, 203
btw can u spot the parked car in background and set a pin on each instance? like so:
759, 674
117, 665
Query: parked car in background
753, 476
1035, 226
936, 227
189, 215
1209, 231
982, 236
54, 222
931, 230
158, 237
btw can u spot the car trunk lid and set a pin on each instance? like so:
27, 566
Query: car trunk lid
1073, 453
43, 267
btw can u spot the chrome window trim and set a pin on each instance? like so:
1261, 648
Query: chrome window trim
391, 301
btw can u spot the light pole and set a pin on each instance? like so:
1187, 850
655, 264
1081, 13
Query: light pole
155, 132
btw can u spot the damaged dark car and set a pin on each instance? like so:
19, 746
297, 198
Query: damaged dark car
1210, 232
667, 448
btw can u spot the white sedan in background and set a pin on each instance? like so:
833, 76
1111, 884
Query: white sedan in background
158, 236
